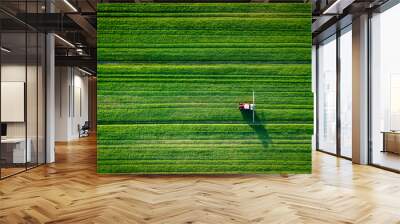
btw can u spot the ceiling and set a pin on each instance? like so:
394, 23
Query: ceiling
74, 22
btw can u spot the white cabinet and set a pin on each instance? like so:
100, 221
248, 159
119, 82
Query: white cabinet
18, 148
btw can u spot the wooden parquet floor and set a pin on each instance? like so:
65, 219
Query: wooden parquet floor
70, 191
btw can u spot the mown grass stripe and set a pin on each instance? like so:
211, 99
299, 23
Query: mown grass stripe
200, 14
204, 54
202, 7
194, 36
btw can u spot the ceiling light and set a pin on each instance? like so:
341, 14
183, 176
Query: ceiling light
65, 41
70, 5
80, 51
5, 50
84, 71
337, 7
332, 7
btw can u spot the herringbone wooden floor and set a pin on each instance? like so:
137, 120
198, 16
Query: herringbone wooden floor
70, 191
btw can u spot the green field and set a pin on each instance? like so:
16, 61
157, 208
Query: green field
170, 77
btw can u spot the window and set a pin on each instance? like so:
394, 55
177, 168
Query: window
346, 92
22, 78
327, 95
385, 89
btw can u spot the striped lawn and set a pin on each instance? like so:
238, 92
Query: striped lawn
170, 77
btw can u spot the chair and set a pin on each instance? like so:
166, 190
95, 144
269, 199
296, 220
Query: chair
84, 130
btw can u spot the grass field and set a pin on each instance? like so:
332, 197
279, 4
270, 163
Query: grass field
170, 77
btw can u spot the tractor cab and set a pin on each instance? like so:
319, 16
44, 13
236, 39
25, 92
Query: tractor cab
247, 106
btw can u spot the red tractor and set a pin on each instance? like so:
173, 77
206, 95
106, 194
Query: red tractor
249, 106
246, 106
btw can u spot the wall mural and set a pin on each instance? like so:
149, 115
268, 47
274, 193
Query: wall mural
176, 85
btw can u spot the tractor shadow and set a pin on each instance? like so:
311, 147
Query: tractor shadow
257, 126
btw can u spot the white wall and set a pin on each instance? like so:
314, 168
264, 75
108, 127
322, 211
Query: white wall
71, 102
62, 82
80, 110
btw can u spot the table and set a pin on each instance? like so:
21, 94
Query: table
391, 141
